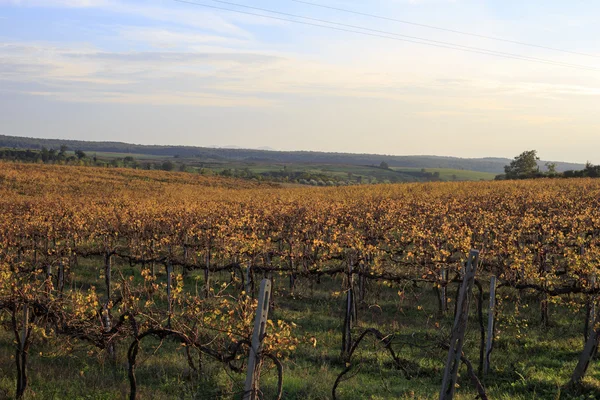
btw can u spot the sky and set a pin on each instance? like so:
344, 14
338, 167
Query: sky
173, 72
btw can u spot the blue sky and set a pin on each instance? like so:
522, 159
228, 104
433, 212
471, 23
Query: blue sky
165, 72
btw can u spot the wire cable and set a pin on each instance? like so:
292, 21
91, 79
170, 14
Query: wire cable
384, 34
446, 29
391, 33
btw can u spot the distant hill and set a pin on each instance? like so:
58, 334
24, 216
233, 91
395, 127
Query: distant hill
489, 164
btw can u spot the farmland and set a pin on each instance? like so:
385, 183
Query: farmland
97, 262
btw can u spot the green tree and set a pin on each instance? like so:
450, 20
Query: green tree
551, 167
167, 166
384, 165
523, 166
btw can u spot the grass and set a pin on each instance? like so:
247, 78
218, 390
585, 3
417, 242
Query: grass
111, 155
447, 174
530, 361
334, 171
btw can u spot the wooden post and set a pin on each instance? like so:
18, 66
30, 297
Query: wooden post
591, 309
106, 309
107, 275
593, 300
362, 289
153, 254
207, 274
591, 347
249, 280
460, 326
185, 259
61, 277
443, 294
258, 334
292, 274
49, 278
347, 328
490, 330
22, 355
25, 326
169, 283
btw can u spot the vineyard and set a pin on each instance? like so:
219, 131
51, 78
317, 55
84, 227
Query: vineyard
135, 284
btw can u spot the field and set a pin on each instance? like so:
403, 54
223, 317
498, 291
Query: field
255, 168
448, 174
107, 261
290, 172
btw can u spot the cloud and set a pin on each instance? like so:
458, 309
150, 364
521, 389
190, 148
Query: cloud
56, 3
89, 75
155, 98
174, 58
222, 76
176, 14
174, 39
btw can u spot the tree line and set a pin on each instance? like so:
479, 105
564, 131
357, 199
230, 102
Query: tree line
525, 166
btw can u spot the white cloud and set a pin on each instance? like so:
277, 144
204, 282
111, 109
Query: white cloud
169, 38
56, 3
221, 76
169, 12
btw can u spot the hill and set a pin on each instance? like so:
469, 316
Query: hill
206, 154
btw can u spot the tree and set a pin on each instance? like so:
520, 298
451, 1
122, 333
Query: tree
591, 170
167, 166
551, 167
384, 165
523, 166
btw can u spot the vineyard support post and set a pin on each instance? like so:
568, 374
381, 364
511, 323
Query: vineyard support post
169, 284
589, 350
249, 280
258, 334
459, 328
443, 291
106, 308
490, 330
48, 283
271, 278
362, 289
292, 274
185, 259
347, 329
22, 355
20, 254
107, 275
591, 309
207, 274
593, 300
481, 327
153, 255
61, 277
544, 315
354, 309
